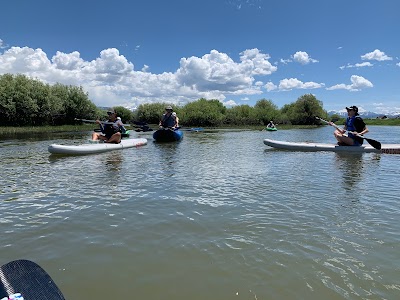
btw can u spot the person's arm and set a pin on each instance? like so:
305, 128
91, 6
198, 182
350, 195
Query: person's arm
337, 127
361, 124
101, 125
121, 126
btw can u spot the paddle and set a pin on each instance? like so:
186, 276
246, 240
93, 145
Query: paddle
94, 121
23, 279
373, 143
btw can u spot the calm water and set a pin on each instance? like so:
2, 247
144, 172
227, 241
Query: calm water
217, 216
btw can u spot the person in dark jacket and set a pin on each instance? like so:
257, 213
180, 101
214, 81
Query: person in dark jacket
354, 126
110, 130
169, 119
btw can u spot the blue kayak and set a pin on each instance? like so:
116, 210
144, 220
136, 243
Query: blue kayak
168, 135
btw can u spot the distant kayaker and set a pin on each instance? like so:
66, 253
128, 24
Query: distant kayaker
271, 124
354, 125
110, 130
169, 118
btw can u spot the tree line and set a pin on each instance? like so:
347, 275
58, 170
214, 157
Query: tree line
30, 102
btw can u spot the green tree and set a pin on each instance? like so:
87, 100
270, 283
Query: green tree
26, 106
203, 112
265, 111
150, 112
8, 108
125, 114
304, 110
240, 115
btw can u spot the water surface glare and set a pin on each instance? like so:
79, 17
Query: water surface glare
218, 215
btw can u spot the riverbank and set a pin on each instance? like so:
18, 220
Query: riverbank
84, 127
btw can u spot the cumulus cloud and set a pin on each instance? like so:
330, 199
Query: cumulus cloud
217, 71
303, 58
71, 61
285, 61
358, 65
398, 64
2, 44
289, 84
376, 55
357, 83
270, 86
111, 79
230, 103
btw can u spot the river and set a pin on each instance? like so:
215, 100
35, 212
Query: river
218, 215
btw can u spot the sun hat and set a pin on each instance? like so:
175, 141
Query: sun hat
353, 107
169, 107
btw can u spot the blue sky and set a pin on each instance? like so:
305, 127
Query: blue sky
345, 52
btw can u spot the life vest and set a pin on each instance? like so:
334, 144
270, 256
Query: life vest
168, 120
355, 123
110, 129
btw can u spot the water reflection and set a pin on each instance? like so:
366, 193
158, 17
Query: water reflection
167, 153
352, 167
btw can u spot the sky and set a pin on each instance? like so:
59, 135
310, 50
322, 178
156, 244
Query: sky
129, 52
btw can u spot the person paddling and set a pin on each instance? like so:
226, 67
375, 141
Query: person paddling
354, 125
169, 119
111, 130
271, 124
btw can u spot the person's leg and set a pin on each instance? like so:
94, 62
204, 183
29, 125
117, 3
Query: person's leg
346, 140
343, 139
97, 136
115, 138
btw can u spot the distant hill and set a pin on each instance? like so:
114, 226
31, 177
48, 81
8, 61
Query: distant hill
365, 114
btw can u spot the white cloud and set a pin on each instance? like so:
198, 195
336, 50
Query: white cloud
2, 44
357, 83
398, 64
376, 55
230, 103
145, 68
358, 65
303, 58
71, 61
256, 63
270, 86
111, 79
289, 84
285, 61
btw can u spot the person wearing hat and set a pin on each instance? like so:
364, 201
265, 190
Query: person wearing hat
110, 130
271, 124
354, 125
169, 119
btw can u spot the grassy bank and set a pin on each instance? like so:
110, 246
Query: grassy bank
88, 127
44, 129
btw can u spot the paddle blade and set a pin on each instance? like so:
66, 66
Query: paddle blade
28, 279
375, 144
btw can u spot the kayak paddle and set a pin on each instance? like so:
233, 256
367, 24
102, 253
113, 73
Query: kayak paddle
94, 121
23, 279
373, 143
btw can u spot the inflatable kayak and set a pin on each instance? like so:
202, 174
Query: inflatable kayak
271, 128
168, 135
304, 146
95, 148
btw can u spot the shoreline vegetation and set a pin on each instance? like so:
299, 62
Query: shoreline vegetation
12, 130
29, 105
